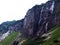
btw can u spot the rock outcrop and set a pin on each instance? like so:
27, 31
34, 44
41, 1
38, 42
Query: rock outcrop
17, 26
11, 26
40, 18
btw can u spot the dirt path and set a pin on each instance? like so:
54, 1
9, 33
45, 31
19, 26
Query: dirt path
47, 35
21, 42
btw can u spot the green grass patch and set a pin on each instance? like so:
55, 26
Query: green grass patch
54, 36
9, 38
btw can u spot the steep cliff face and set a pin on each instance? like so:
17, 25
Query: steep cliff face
31, 20
40, 18
46, 20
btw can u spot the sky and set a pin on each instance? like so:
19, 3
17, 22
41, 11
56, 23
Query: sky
16, 9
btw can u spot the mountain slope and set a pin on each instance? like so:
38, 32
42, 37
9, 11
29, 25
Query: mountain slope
38, 22
10, 38
53, 40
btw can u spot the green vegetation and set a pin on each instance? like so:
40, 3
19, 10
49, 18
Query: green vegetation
53, 40
4, 26
9, 39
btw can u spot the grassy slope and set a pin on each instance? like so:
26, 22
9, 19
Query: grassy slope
9, 39
55, 36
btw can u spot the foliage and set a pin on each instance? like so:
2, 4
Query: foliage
4, 26
9, 39
54, 36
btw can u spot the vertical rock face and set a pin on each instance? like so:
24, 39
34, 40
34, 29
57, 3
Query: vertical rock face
41, 18
46, 17
31, 20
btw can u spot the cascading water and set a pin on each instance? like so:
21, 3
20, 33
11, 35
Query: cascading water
46, 27
41, 13
52, 7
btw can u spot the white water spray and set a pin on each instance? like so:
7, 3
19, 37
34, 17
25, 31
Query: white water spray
52, 7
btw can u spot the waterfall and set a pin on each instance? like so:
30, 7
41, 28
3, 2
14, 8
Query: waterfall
42, 9
25, 21
41, 13
52, 7
46, 26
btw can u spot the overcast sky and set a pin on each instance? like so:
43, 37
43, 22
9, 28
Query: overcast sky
16, 9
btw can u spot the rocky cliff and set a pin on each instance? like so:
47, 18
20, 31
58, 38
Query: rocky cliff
40, 18
11, 26
37, 22
17, 26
